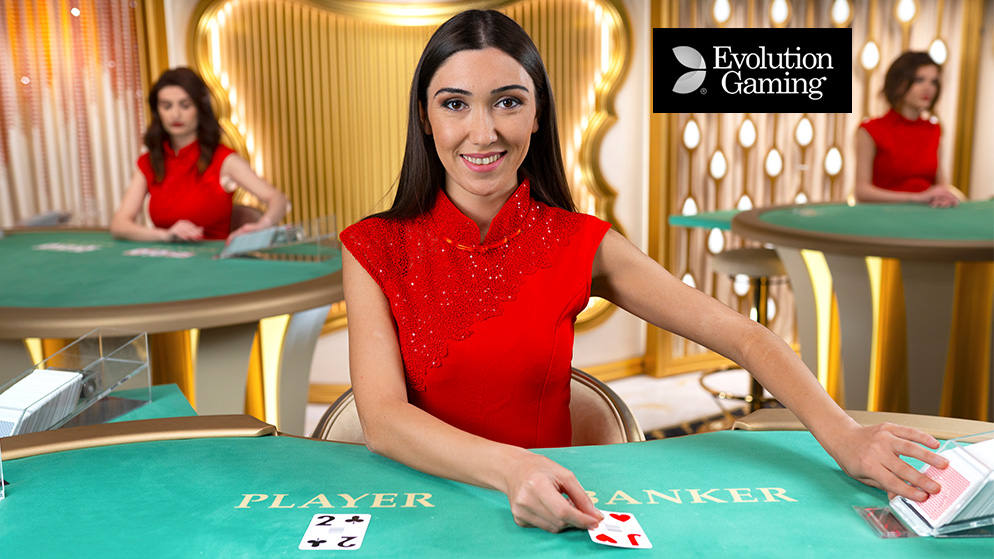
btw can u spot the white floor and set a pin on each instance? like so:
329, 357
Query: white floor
657, 403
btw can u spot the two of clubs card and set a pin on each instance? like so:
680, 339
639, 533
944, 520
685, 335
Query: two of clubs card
329, 532
620, 529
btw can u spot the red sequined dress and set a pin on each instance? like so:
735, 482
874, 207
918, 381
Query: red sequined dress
486, 329
907, 155
186, 193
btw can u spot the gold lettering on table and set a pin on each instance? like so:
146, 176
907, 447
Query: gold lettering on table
423, 499
380, 498
319, 499
780, 492
675, 498
737, 498
699, 497
623, 496
277, 502
349, 501
251, 498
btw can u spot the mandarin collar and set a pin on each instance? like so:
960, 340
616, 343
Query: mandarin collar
898, 117
456, 227
191, 150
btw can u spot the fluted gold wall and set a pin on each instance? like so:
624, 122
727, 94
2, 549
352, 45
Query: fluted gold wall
314, 93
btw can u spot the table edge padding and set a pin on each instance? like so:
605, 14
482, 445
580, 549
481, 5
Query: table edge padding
126, 432
749, 224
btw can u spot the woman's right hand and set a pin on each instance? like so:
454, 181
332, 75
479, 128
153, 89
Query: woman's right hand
184, 230
535, 488
939, 196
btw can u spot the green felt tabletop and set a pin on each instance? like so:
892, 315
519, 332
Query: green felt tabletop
708, 220
728, 494
41, 269
970, 221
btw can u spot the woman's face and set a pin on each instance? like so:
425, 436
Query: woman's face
481, 112
177, 113
924, 87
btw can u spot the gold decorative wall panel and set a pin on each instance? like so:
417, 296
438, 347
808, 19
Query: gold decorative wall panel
314, 93
708, 162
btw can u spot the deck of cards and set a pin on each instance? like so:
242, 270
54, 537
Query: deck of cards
335, 532
620, 529
39, 401
966, 499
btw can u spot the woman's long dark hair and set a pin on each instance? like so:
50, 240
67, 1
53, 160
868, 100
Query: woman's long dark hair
901, 75
422, 174
208, 129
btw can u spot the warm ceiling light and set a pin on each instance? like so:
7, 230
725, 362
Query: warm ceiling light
689, 207
937, 50
804, 133
870, 56
905, 10
721, 10
718, 165
833, 162
747, 134
774, 163
716, 241
779, 13
691, 135
841, 12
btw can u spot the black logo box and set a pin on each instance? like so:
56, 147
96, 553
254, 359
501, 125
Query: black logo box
753, 70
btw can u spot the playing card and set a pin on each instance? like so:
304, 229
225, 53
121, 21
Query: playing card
620, 529
159, 253
953, 485
330, 532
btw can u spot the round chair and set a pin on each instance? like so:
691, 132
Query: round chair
598, 414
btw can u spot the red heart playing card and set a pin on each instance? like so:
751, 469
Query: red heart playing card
619, 529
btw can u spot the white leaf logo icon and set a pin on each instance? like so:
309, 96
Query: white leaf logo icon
692, 59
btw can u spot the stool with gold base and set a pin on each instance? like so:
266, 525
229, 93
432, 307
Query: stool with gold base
762, 266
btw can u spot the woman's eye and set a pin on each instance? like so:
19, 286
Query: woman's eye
453, 104
508, 103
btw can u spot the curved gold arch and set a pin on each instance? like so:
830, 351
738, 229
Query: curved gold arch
586, 45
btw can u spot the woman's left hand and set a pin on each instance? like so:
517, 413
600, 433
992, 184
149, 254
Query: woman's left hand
872, 455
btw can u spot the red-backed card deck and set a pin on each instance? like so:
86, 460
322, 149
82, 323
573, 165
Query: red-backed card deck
335, 532
620, 529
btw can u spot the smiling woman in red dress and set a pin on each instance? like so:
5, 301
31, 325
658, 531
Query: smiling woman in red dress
461, 297
188, 175
897, 155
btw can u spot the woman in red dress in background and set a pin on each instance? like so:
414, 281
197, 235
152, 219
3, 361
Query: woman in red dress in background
188, 174
897, 155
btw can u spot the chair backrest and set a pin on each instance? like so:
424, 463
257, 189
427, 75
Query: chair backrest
598, 414
340, 422
243, 215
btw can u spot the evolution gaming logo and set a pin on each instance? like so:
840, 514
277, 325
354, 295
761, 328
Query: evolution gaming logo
694, 78
752, 70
